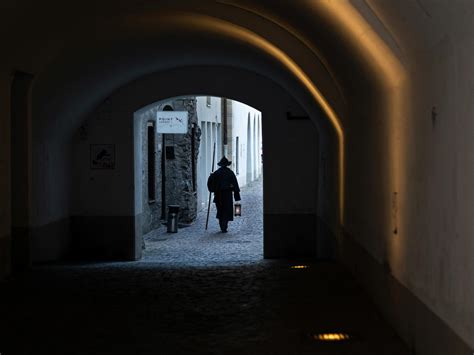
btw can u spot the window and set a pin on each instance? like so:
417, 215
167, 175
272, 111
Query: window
208, 101
151, 161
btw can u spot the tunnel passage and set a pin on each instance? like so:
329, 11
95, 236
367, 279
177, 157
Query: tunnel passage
382, 66
52, 206
289, 231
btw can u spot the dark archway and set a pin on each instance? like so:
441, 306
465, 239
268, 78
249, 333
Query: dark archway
286, 207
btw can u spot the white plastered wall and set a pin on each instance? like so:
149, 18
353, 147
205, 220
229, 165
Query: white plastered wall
210, 122
240, 118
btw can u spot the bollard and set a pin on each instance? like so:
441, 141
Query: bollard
172, 223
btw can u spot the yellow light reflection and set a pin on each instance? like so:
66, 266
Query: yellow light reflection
347, 20
369, 44
299, 267
393, 77
331, 337
215, 25
363, 37
288, 28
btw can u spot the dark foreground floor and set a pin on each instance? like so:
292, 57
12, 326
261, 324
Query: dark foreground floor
195, 292
264, 308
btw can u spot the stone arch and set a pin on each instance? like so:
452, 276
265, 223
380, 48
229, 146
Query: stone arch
278, 217
69, 116
262, 57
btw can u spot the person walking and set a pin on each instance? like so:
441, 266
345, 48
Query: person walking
223, 183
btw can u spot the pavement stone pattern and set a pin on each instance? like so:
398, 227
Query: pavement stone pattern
193, 245
194, 293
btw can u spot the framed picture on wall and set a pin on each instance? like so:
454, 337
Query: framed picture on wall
102, 156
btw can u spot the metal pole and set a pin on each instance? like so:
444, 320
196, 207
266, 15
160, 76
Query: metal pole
163, 177
210, 193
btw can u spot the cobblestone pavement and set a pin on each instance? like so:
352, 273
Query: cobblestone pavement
194, 293
193, 245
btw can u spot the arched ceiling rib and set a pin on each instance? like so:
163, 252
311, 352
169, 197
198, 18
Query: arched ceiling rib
371, 59
192, 22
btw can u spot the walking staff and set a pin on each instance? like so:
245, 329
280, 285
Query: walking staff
210, 193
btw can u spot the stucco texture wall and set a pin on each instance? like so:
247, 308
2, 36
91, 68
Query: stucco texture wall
432, 253
439, 242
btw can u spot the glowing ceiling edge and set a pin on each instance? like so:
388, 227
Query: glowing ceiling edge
364, 38
239, 33
296, 34
390, 71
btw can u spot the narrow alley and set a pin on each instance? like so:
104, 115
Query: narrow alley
194, 246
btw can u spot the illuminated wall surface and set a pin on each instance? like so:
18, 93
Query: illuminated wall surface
242, 34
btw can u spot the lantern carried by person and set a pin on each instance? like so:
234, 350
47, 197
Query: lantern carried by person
237, 209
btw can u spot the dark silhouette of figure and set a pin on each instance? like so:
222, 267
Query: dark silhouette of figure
223, 183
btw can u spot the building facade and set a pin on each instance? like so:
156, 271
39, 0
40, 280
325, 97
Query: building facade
235, 129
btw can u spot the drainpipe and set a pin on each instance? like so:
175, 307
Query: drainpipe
224, 127
163, 176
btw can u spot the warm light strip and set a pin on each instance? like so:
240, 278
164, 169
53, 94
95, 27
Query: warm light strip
362, 35
331, 337
239, 33
390, 71
295, 33
387, 67
299, 267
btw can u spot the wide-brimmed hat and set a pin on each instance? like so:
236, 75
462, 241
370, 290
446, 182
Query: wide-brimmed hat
224, 162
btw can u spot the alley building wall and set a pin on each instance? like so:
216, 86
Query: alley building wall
244, 140
179, 184
209, 115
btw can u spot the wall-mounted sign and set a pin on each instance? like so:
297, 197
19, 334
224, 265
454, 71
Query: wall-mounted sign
102, 156
172, 122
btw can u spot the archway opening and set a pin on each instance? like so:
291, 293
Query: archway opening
299, 208
178, 142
